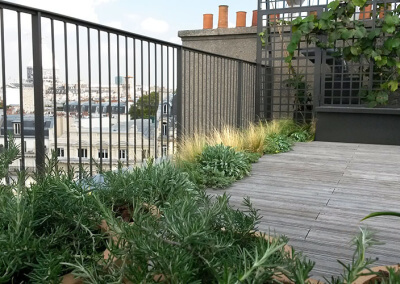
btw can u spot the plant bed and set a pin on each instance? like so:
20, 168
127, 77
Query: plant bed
380, 274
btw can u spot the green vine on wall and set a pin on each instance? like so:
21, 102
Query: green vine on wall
380, 45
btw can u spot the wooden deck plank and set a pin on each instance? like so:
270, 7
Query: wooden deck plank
318, 193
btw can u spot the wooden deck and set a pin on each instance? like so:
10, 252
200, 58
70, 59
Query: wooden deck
317, 194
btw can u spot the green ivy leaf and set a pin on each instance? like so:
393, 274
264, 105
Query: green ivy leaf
360, 32
359, 3
382, 62
327, 14
346, 34
391, 20
391, 62
288, 59
334, 36
334, 4
374, 33
393, 85
355, 50
310, 18
292, 47
388, 29
382, 97
296, 36
297, 21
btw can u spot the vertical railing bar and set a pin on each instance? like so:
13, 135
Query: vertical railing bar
198, 93
67, 94
176, 106
213, 93
162, 102
134, 102
209, 111
202, 93
53, 58
231, 105
119, 102
219, 60
126, 103
157, 101
205, 90
3, 75
184, 71
168, 106
239, 94
222, 86
109, 102
21, 94
38, 90
189, 94
100, 104
79, 99
90, 103
179, 93
142, 103
149, 75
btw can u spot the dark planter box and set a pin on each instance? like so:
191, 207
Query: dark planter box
358, 125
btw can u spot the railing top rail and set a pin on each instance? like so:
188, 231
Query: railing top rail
95, 26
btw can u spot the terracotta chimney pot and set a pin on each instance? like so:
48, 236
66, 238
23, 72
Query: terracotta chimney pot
223, 17
208, 20
254, 21
365, 13
240, 19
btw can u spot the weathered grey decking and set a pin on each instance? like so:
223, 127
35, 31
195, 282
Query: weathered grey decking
318, 193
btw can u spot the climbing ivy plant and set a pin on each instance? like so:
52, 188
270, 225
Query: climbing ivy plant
380, 45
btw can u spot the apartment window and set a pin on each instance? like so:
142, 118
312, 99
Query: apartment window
164, 150
165, 108
17, 128
25, 149
103, 153
82, 153
60, 152
145, 154
164, 128
122, 154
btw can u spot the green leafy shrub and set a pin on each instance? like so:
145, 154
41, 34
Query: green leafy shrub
222, 165
201, 240
45, 225
277, 143
155, 184
300, 136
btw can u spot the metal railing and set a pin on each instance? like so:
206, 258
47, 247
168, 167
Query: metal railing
101, 97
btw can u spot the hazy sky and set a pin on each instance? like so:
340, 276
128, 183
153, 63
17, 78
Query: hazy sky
157, 18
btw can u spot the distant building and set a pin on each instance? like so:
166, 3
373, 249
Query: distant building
14, 126
47, 63
167, 125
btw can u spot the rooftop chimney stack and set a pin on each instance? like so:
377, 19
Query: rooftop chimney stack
208, 20
255, 15
240, 19
223, 17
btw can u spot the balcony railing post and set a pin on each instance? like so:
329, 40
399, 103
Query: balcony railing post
38, 90
179, 94
239, 94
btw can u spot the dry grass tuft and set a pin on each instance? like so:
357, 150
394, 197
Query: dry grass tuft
228, 136
190, 148
251, 139
254, 137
